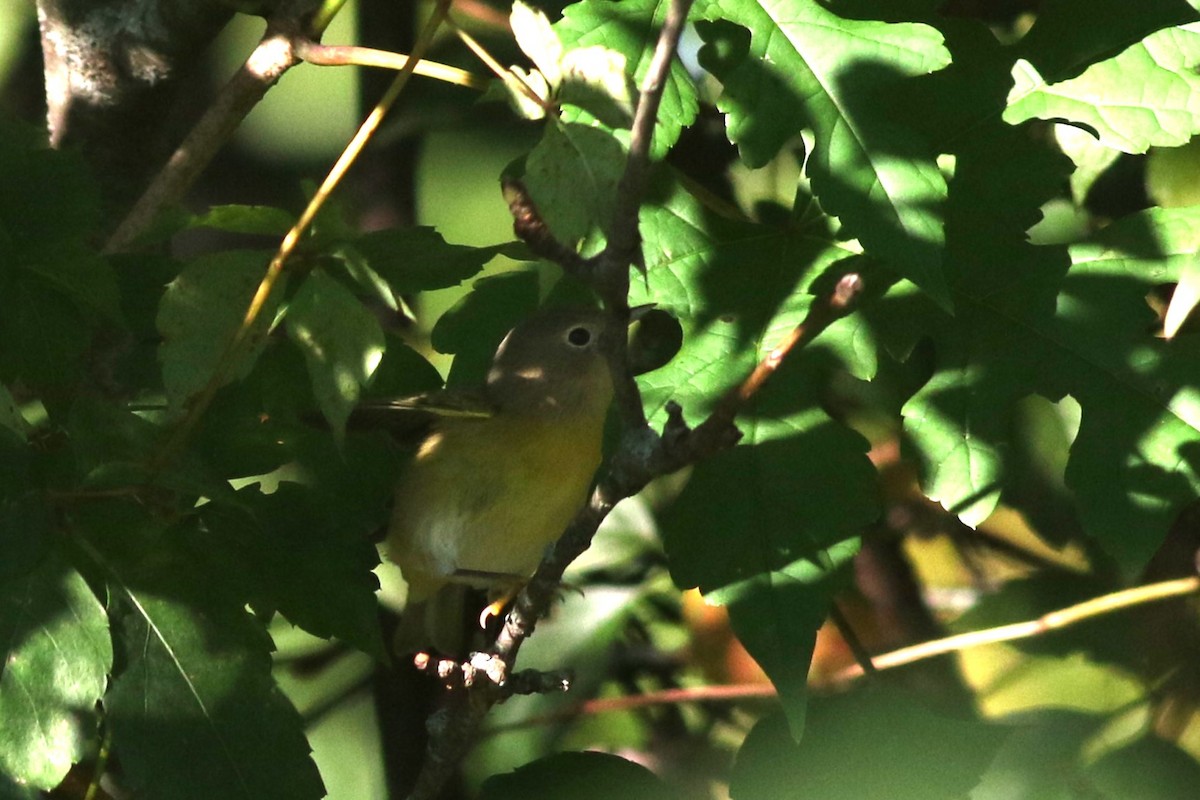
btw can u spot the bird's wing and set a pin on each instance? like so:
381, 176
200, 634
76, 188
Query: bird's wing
409, 419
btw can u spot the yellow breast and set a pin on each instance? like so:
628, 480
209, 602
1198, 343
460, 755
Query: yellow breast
489, 496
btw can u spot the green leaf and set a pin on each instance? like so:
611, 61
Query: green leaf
580, 776
753, 521
1184, 300
194, 713
1133, 464
308, 561
572, 176
10, 790
55, 656
797, 65
263, 220
403, 372
1069, 35
80, 274
737, 289
1148, 769
630, 28
1149, 95
915, 754
252, 426
776, 614
200, 313
114, 447
596, 80
418, 259
342, 343
1004, 291
537, 39
1171, 174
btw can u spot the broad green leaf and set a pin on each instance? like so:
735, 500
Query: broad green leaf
751, 518
1133, 464
80, 274
252, 426
418, 259
199, 315
402, 372
914, 753
194, 712
309, 562
1003, 289
737, 288
796, 65
342, 343
1148, 769
1069, 35
55, 654
115, 447
630, 28
580, 776
1149, 95
10, 790
537, 40
49, 268
1040, 759
596, 80
262, 220
572, 176
776, 614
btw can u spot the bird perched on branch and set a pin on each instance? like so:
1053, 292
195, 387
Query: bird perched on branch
501, 472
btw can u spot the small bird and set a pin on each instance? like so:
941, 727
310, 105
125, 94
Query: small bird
501, 474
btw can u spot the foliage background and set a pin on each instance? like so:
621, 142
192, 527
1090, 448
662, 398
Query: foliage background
1001, 431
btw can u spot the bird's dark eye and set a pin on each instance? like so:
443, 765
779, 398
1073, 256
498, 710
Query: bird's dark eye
579, 337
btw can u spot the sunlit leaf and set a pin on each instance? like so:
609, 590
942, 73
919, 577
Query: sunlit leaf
194, 712
797, 65
1149, 95
55, 654
342, 344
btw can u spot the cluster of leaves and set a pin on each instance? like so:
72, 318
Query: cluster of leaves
141, 555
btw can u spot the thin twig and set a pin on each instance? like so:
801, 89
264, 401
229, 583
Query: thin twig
1055, 620
326, 55
623, 248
